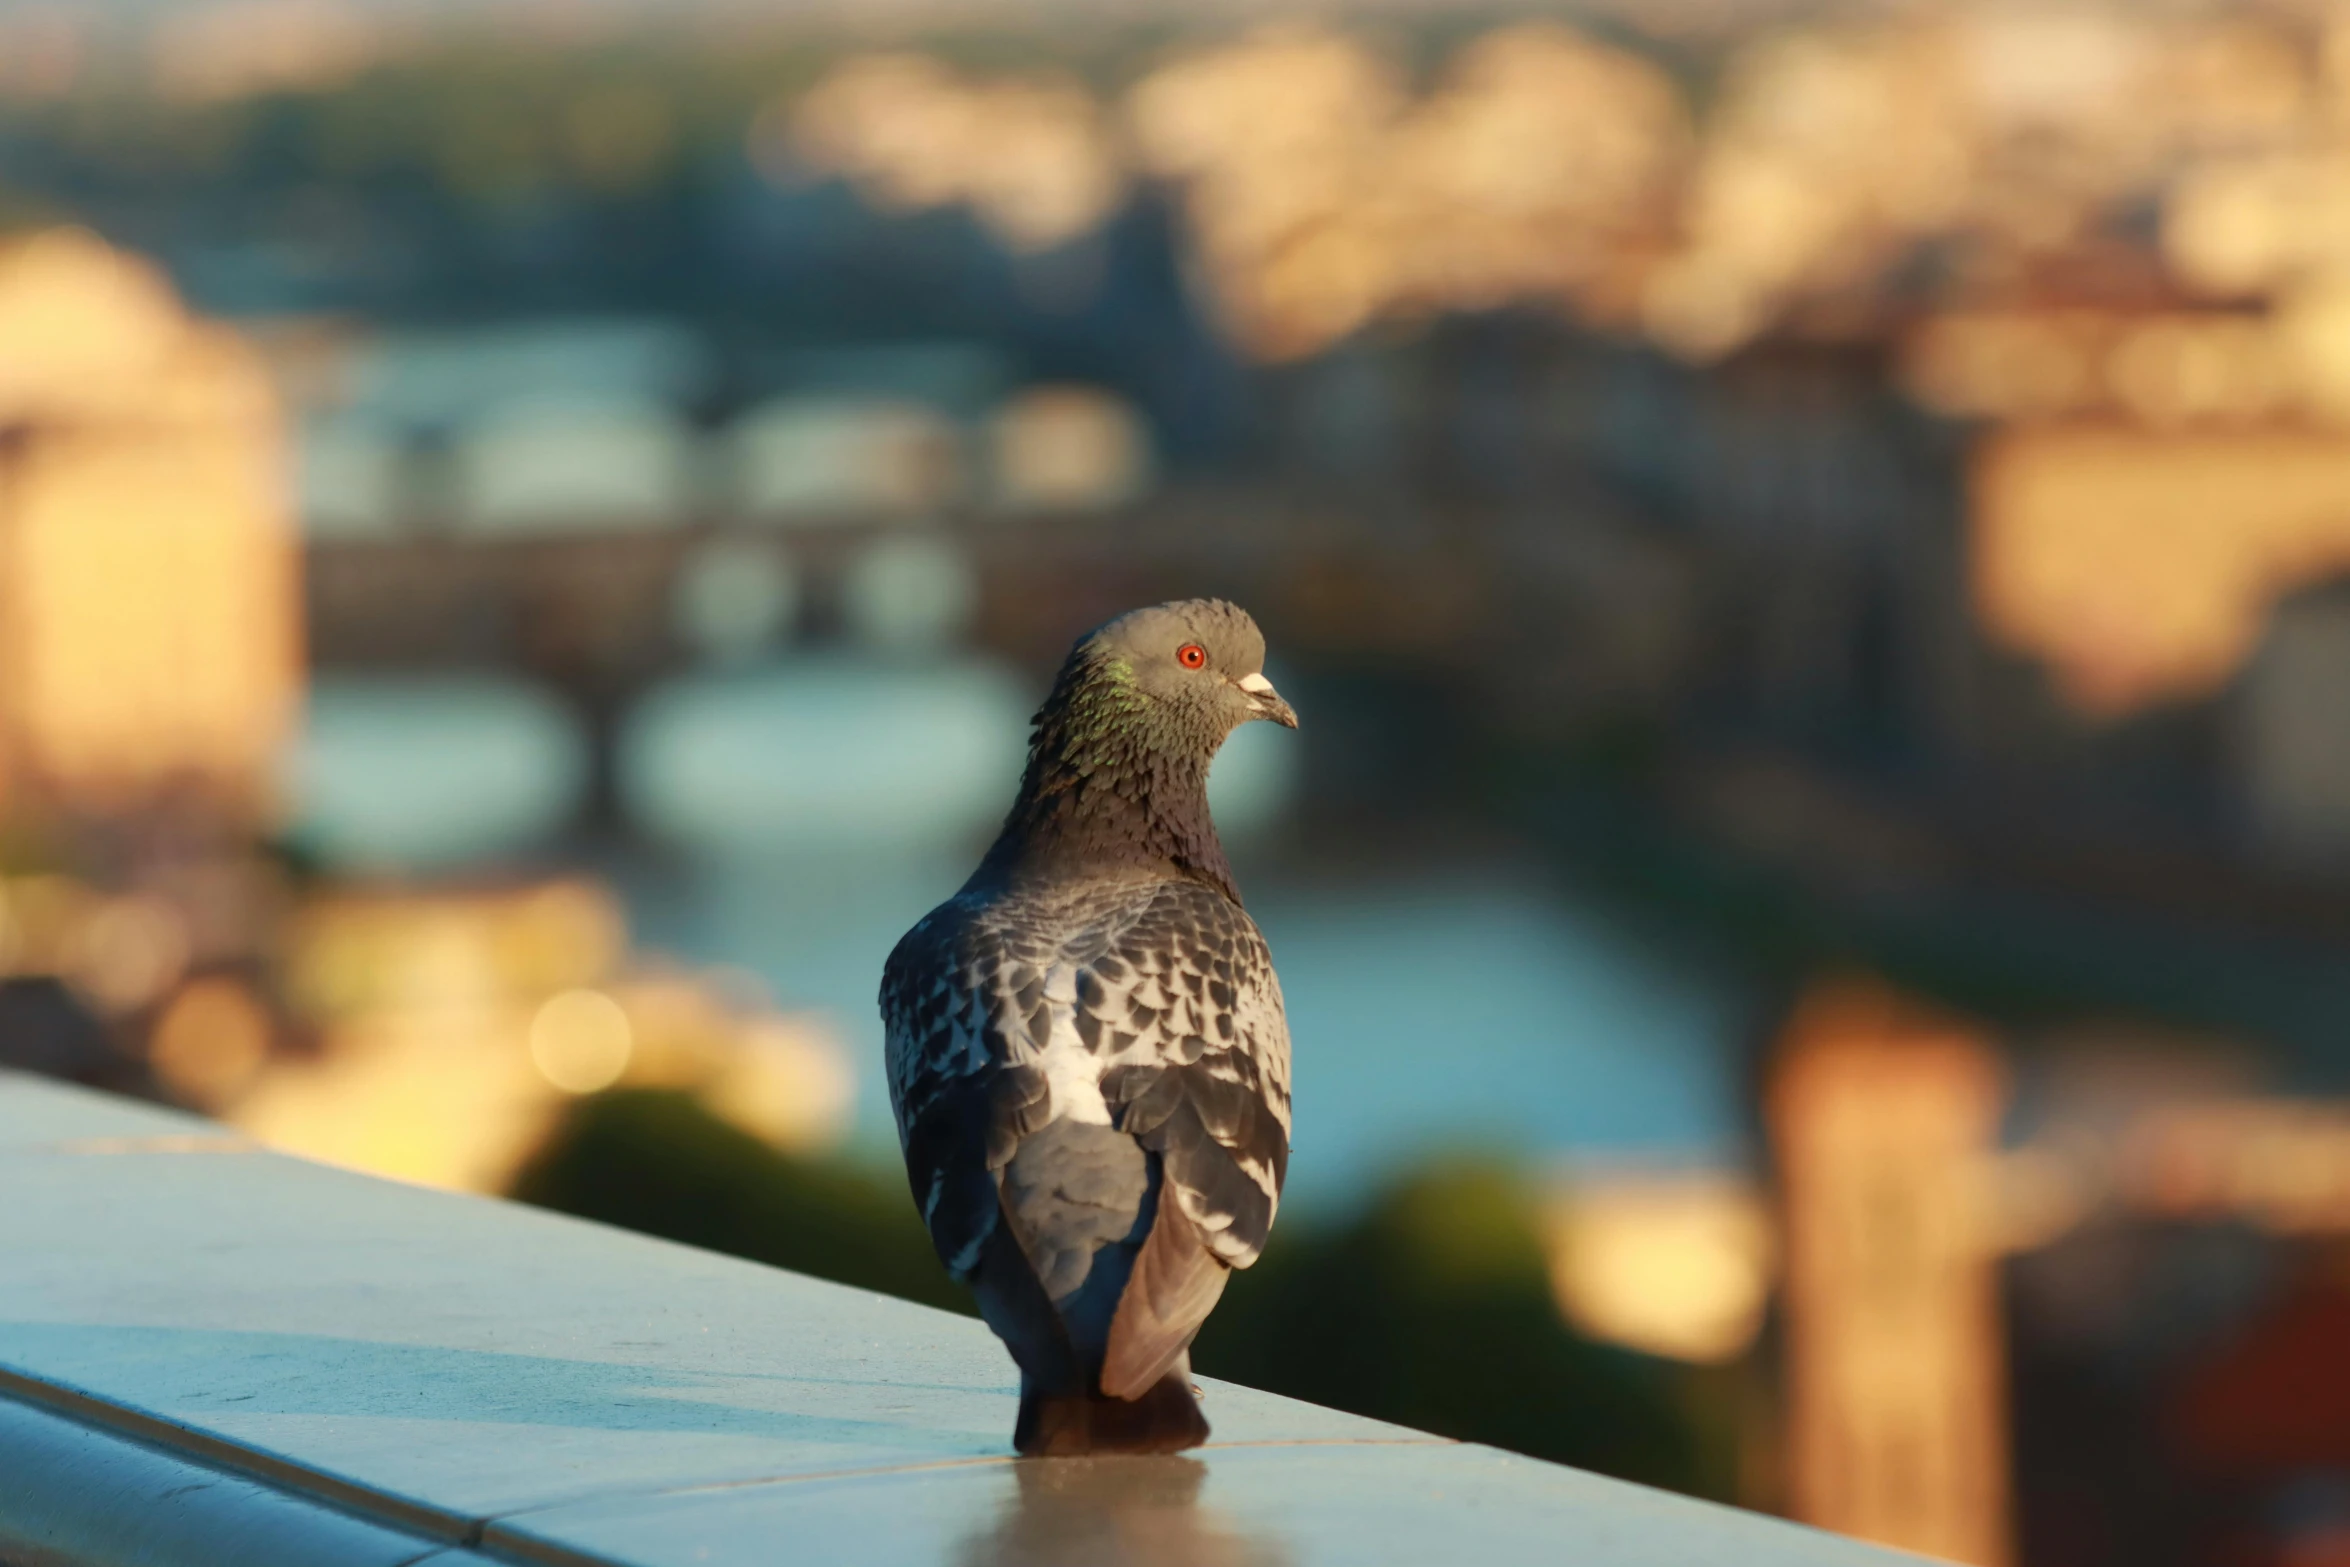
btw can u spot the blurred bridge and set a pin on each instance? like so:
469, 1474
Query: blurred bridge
590, 611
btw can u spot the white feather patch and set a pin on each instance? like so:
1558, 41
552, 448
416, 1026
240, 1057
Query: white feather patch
1073, 1072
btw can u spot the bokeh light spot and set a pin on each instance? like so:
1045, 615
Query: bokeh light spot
580, 1041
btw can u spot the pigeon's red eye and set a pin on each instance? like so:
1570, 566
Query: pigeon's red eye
1192, 656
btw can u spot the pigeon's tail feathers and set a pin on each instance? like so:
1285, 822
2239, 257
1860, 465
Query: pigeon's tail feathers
1165, 1419
1175, 1284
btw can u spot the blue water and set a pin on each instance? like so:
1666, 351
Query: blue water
799, 756
1428, 1013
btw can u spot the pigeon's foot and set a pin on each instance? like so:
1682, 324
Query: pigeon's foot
1164, 1420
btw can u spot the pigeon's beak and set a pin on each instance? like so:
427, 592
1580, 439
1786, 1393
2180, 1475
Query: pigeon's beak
1267, 701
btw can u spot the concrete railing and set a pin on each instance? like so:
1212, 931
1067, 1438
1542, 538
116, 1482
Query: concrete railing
214, 1355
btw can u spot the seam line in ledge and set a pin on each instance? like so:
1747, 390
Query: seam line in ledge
434, 1526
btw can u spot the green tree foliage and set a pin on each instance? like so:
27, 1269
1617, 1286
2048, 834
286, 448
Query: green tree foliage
1434, 1310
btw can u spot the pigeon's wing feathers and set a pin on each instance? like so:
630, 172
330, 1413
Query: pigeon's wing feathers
1185, 1010
949, 993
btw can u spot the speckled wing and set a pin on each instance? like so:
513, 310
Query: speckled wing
960, 1000
999, 1016
1184, 1009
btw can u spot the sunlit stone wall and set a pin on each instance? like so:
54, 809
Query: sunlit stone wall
149, 639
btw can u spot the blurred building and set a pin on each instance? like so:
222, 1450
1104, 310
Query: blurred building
571, 465
844, 459
1896, 1422
1068, 449
148, 576
2295, 731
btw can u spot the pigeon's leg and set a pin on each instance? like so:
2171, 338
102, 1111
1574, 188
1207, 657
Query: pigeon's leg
1013, 1304
1166, 1419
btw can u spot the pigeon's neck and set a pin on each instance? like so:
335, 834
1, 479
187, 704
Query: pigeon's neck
1103, 796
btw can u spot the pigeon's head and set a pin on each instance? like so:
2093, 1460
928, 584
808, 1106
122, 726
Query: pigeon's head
1118, 765
1196, 666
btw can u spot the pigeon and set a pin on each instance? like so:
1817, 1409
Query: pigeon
1086, 1049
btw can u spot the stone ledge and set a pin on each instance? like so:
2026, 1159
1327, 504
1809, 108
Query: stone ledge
210, 1354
